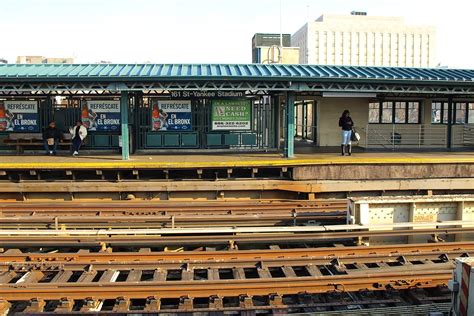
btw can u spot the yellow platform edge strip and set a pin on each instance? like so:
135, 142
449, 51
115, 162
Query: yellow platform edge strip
130, 164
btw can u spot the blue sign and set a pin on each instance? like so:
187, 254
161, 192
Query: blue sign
20, 116
171, 115
101, 115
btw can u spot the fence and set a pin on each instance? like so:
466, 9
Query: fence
468, 135
395, 136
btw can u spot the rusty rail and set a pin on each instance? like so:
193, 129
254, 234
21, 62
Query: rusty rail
133, 240
166, 215
168, 207
136, 275
324, 254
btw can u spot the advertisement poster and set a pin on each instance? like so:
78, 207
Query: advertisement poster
101, 115
19, 116
171, 115
229, 115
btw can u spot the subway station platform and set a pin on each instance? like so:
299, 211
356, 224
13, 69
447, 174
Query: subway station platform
236, 175
226, 160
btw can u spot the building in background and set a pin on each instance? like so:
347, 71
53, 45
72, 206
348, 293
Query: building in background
43, 60
3, 61
358, 39
266, 49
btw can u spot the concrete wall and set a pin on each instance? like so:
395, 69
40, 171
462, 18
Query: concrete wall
329, 112
425, 134
429, 135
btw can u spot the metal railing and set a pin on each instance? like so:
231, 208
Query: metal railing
394, 136
468, 135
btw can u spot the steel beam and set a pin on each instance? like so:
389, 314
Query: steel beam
82, 88
413, 209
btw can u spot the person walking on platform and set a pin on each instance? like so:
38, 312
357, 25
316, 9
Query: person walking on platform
51, 137
78, 134
346, 123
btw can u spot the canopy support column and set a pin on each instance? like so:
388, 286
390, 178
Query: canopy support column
124, 123
290, 125
450, 121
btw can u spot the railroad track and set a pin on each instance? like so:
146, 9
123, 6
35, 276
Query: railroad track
320, 255
153, 215
167, 207
232, 237
136, 256
93, 278
403, 302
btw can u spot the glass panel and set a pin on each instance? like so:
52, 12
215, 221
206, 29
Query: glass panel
414, 112
470, 112
445, 113
400, 112
436, 114
387, 114
309, 115
460, 117
374, 112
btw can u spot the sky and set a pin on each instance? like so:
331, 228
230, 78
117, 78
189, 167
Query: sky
202, 31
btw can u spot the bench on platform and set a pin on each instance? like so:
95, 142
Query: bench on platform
21, 140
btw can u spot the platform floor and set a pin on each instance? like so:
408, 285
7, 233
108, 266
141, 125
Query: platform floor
222, 160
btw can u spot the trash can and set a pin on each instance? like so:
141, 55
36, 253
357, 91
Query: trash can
396, 138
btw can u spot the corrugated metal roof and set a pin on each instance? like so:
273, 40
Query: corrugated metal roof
133, 72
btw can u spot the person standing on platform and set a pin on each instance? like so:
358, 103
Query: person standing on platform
78, 134
51, 137
346, 123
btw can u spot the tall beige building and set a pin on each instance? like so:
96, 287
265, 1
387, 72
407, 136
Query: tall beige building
358, 39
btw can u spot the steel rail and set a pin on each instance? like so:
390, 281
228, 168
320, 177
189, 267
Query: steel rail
323, 253
396, 306
93, 240
119, 207
240, 230
280, 286
403, 263
132, 214
156, 221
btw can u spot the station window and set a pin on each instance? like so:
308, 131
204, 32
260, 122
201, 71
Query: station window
400, 112
439, 113
413, 112
387, 112
374, 112
470, 113
394, 112
462, 113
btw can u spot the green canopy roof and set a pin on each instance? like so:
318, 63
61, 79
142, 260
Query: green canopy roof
262, 72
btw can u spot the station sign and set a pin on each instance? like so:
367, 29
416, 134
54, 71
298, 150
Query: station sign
206, 94
171, 115
228, 115
101, 115
19, 116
